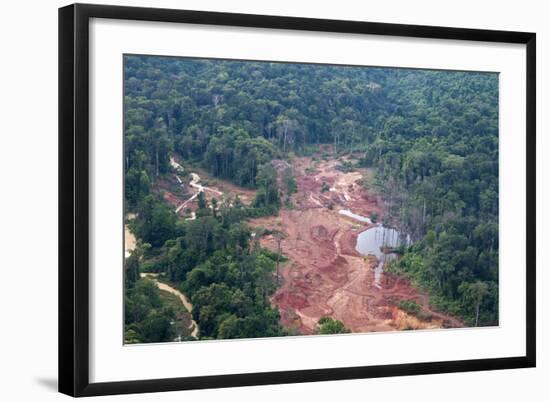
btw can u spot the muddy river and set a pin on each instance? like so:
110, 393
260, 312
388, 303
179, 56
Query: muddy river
194, 327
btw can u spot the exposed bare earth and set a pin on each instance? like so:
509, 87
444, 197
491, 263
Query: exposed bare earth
181, 188
325, 275
129, 237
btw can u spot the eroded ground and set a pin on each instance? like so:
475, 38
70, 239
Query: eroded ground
325, 276
181, 187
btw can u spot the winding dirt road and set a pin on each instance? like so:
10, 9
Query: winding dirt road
194, 327
194, 183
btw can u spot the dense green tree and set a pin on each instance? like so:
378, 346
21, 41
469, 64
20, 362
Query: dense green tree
290, 181
430, 136
155, 223
131, 266
473, 294
147, 319
268, 194
327, 325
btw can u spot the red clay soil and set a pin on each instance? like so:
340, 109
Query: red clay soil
228, 189
325, 275
176, 193
171, 191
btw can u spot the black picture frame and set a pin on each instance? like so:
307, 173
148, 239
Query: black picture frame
74, 198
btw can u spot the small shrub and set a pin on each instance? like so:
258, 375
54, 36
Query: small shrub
410, 306
374, 217
327, 325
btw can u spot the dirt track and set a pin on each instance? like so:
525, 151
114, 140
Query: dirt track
129, 238
183, 299
181, 193
325, 276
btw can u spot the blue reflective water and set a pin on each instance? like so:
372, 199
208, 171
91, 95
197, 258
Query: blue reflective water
373, 240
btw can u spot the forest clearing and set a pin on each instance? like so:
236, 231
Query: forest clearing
325, 274
272, 199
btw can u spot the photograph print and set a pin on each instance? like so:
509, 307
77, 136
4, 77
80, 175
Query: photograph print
267, 199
